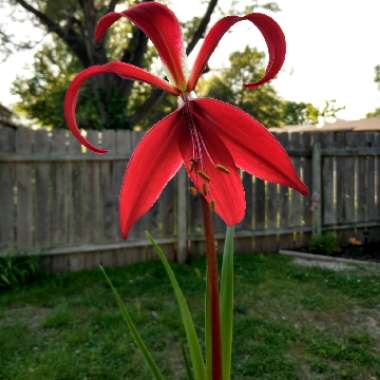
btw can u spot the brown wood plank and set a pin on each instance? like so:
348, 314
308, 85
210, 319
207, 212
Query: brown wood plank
96, 222
260, 204
273, 205
73, 192
248, 186
307, 179
371, 172
349, 179
341, 175
82, 193
110, 194
328, 188
295, 214
7, 184
44, 191
25, 191
58, 231
284, 190
123, 148
362, 180
377, 170
166, 210
195, 224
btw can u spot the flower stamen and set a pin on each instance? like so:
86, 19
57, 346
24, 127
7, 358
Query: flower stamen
203, 175
222, 168
193, 191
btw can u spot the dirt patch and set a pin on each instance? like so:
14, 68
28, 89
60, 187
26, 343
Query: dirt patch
369, 320
324, 264
29, 315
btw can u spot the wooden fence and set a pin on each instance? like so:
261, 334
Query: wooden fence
60, 201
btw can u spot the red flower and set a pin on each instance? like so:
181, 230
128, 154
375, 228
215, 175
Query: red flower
211, 138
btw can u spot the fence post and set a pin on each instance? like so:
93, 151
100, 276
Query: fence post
316, 190
181, 217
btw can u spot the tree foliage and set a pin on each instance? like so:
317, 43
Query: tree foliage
107, 101
262, 103
376, 112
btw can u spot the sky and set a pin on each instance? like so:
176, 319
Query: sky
332, 49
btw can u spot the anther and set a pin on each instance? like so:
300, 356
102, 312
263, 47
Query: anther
205, 189
204, 175
212, 206
222, 168
193, 190
191, 166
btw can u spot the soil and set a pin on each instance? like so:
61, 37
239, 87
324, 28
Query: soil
365, 252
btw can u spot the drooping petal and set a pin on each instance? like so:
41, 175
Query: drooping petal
213, 172
271, 31
253, 147
121, 69
154, 162
161, 25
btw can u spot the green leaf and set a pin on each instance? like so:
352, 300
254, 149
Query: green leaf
189, 373
191, 335
208, 342
227, 301
156, 373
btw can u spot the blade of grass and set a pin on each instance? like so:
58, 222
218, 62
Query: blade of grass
189, 372
207, 337
191, 335
227, 301
151, 364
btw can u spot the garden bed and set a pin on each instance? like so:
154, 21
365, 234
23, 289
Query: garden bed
291, 322
362, 252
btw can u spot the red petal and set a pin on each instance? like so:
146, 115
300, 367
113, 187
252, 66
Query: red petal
124, 70
160, 24
153, 163
253, 147
225, 189
272, 34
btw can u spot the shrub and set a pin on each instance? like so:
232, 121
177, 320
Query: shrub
325, 244
16, 271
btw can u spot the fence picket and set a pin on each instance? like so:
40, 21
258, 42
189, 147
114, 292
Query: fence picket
44, 194
7, 185
25, 191
52, 199
349, 177
328, 192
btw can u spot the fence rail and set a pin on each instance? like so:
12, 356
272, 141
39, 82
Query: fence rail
57, 199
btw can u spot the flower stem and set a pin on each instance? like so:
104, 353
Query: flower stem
213, 292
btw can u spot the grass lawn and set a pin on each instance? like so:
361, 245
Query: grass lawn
291, 323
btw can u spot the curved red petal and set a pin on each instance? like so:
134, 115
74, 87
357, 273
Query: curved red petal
253, 147
122, 69
271, 31
161, 25
215, 174
154, 162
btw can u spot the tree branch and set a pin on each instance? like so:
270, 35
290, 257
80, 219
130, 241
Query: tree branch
135, 56
157, 95
198, 34
69, 36
111, 6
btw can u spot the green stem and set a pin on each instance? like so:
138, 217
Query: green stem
213, 293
